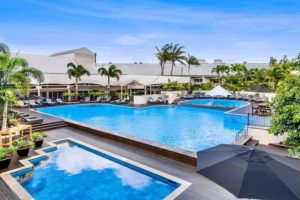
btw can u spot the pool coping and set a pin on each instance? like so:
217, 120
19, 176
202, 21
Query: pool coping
24, 195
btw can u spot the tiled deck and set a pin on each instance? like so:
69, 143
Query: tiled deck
201, 188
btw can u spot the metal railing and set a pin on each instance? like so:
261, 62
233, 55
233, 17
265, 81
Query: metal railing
254, 120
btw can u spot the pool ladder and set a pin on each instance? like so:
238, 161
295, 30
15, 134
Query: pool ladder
243, 131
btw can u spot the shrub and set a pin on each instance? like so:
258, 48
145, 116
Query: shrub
36, 136
207, 86
7, 152
23, 144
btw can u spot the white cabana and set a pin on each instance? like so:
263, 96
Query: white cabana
218, 91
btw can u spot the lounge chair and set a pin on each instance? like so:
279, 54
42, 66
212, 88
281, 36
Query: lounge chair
123, 101
21, 104
151, 101
188, 96
98, 100
106, 100
30, 120
32, 103
161, 100
50, 102
60, 101
87, 99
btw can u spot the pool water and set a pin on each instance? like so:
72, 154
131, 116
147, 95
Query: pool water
217, 102
177, 126
73, 172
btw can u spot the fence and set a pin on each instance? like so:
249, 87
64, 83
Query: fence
254, 120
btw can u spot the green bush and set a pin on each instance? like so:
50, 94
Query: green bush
23, 144
124, 94
72, 94
207, 86
97, 94
175, 86
7, 152
36, 136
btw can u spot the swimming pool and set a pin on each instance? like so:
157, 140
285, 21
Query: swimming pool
74, 171
184, 127
217, 102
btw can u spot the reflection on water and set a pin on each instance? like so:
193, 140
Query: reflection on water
71, 172
75, 160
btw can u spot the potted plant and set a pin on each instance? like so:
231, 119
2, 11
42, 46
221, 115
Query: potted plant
38, 138
23, 147
5, 156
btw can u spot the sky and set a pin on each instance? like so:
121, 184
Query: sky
128, 30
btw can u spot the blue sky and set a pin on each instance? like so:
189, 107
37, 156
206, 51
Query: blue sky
129, 30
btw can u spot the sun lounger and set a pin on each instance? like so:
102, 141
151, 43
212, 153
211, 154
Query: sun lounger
32, 103
87, 99
106, 100
50, 102
60, 101
161, 100
21, 104
121, 101
151, 101
31, 120
98, 100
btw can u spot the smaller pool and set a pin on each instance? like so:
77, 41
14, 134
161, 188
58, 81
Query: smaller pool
217, 103
74, 171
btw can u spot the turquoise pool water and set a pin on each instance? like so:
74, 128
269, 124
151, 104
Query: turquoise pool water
75, 172
217, 102
178, 126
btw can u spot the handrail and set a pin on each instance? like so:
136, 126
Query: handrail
237, 135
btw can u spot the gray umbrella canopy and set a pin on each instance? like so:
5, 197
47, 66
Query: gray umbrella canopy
251, 173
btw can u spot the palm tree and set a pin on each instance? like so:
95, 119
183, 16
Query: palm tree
176, 54
238, 69
163, 56
191, 60
221, 70
14, 77
111, 72
77, 72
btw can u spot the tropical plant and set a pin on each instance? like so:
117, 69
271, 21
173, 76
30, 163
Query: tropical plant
76, 71
4, 48
123, 94
36, 136
191, 60
221, 71
286, 118
111, 72
207, 86
15, 76
7, 152
175, 86
97, 94
23, 144
176, 54
163, 56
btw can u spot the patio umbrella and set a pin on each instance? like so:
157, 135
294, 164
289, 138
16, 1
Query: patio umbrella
251, 173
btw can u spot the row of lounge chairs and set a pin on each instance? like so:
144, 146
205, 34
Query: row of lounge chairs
26, 118
233, 97
49, 102
159, 100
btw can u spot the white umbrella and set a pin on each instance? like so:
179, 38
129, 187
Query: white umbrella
218, 91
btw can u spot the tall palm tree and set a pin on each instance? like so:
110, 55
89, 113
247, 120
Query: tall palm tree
176, 54
76, 71
238, 69
163, 56
111, 72
191, 60
221, 71
14, 77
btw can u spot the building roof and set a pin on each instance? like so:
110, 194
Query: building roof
81, 50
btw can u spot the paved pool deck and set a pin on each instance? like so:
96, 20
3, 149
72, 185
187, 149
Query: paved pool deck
201, 188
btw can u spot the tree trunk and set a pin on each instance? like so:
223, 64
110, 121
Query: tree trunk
76, 88
108, 86
4, 116
189, 69
162, 66
172, 69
